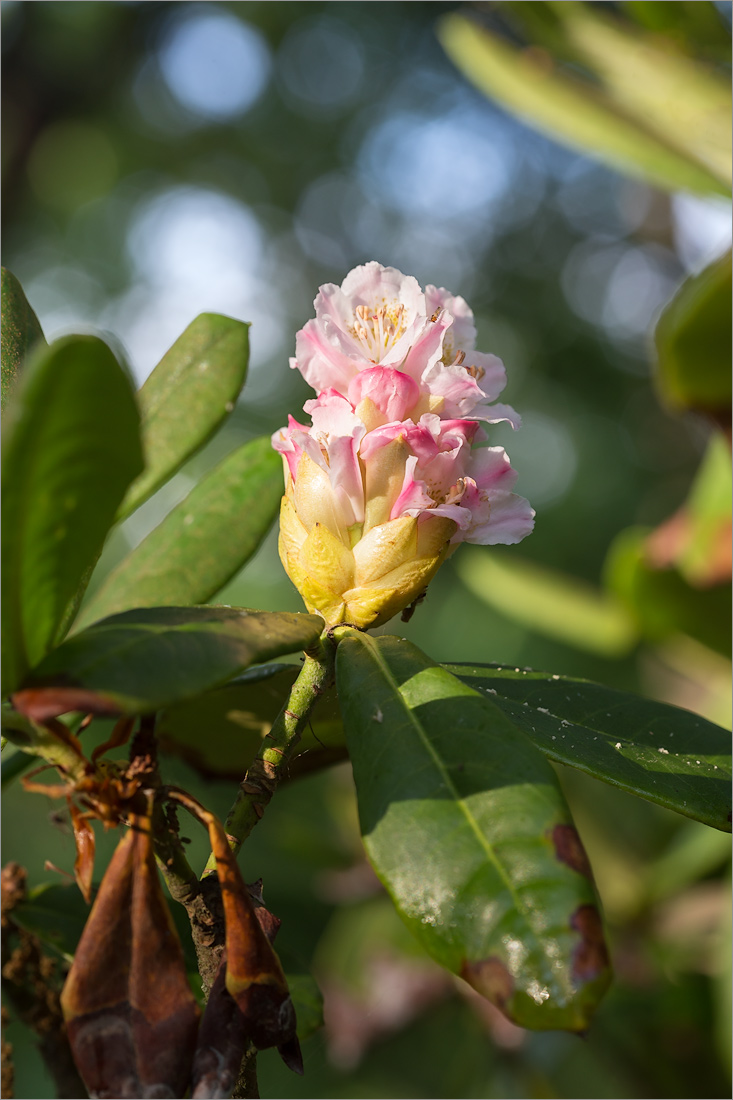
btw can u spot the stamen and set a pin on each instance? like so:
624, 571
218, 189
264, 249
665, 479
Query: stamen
379, 329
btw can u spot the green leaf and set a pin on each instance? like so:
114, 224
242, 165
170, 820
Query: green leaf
308, 1004
203, 541
186, 398
549, 602
71, 446
21, 331
220, 733
464, 823
693, 342
140, 661
56, 914
660, 600
571, 110
660, 752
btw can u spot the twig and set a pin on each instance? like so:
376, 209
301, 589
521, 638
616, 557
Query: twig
271, 762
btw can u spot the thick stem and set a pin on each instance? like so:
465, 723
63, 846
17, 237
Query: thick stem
271, 763
247, 1086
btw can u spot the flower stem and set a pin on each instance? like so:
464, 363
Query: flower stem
271, 763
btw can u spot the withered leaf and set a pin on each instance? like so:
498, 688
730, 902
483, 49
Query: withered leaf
85, 845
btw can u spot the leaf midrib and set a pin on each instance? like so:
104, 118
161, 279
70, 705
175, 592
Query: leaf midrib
519, 904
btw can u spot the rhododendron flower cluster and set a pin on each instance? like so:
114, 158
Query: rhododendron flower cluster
386, 480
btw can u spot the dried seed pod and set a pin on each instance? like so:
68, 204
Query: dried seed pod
254, 977
131, 1016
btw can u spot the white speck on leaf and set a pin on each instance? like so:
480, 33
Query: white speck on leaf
377, 716
618, 744
665, 751
229, 407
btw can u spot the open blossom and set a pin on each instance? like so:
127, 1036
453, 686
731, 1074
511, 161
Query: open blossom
386, 481
380, 317
368, 516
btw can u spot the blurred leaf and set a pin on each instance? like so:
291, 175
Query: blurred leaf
56, 913
652, 749
660, 600
693, 854
696, 22
549, 602
71, 447
21, 330
307, 1002
709, 508
683, 101
697, 538
220, 733
464, 823
188, 395
14, 766
693, 339
571, 110
203, 541
140, 661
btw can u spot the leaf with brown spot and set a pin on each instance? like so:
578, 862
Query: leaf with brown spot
491, 978
444, 771
569, 849
590, 957
131, 1016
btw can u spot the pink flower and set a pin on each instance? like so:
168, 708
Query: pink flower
373, 506
380, 320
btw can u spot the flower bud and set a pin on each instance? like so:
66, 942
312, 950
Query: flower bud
369, 516
385, 482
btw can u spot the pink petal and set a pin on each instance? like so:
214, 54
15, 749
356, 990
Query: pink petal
393, 392
511, 520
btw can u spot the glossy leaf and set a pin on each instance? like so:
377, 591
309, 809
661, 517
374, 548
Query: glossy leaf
220, 733
186, 398
571, 110
21, 331
660, 600
549, 602
464, 823
693, 339
663, 753
71, 447
203, 542
140, 661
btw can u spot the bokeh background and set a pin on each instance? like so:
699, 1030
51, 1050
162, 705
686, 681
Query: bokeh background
164, 159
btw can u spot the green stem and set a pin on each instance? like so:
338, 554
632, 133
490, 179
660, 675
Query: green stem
271, 763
